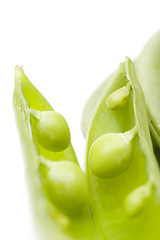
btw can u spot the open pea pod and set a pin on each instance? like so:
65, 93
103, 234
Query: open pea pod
148, 74
122, 170
58, 187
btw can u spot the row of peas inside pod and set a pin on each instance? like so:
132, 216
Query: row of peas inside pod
65, 181
110, 154
58, 187
122, 170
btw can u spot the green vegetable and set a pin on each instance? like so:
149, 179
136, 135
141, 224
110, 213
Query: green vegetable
119, 196
118, 98
122, 170
51, 129
137, 200
58, 187
110, 155
67, 185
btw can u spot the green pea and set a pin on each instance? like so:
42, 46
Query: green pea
118, 98
52, 130
137, 200
110, 155
67, 185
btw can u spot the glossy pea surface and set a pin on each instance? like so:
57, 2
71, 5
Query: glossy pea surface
67, 185
52, 131
137, 200
118, 98
110, 155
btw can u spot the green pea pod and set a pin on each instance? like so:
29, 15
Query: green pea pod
58, 187
122, 170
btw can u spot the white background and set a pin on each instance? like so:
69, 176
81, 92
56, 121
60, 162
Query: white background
67, 48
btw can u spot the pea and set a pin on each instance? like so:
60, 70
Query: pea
118, 98
67, 185
137, 200
52, 130
110, 155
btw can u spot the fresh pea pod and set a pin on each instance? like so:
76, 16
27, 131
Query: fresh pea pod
58, 187
122, 170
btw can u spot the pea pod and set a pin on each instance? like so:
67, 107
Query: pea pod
58, 187
122, 170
